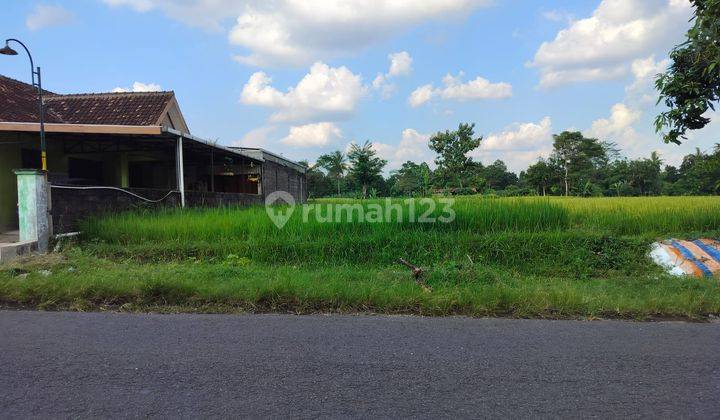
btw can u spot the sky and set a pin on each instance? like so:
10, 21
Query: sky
306, 77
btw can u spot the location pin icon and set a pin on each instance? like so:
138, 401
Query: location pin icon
279, 206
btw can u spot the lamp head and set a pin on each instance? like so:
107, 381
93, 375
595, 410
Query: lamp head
6, 50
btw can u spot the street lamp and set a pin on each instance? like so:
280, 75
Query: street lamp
7, 50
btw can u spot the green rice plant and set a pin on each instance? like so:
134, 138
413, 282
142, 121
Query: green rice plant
530, 256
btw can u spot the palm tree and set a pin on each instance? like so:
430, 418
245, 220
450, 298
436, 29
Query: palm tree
366, 165
656, 159
335, 164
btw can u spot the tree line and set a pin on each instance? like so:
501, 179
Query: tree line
577, 166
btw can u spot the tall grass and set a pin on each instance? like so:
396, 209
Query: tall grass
480, 216
531, 234
645, 215
651, 215
550, 257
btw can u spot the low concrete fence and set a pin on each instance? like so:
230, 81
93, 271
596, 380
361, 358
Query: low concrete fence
71, 204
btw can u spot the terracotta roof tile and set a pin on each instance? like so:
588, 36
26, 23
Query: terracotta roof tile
18, 103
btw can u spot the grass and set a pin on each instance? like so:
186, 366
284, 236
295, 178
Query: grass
524, 257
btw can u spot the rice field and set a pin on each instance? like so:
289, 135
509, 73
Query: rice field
548, 257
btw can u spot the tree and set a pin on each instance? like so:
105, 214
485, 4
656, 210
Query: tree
452, 148
335, 165
700, 173
541, 176
412, 179
318, 185
579, 157
498, 177
692, 83
644, 174
365, 165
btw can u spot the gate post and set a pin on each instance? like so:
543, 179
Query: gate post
34, 207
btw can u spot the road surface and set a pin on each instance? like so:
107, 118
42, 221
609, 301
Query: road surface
79, 365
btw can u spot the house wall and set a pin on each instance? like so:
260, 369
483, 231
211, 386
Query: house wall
276, 177
11, 146
114, 173
68, 206
173, 118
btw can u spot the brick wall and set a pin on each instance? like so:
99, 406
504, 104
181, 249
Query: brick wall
209, 199
282, 178
70, 206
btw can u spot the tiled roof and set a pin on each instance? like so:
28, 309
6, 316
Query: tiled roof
18, 103
138, 108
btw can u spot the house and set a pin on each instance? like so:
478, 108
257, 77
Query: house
118, 151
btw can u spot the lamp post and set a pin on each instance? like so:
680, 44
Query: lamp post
7, 50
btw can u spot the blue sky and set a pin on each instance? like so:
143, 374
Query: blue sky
303, 78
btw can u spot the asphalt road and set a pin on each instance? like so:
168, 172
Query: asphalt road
83, 365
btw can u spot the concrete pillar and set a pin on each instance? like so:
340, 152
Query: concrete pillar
180, 170
124, 171
34, 207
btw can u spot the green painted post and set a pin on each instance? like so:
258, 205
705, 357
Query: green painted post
33, 207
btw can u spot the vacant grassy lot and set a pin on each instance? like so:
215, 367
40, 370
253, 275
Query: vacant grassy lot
554, 257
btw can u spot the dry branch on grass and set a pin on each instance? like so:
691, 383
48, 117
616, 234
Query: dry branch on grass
417, 274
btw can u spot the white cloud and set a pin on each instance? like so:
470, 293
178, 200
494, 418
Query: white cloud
413, 146
519, 145
563, 77
138, 5
312, 135
139, 87
557, 16
618, 127
299, 32
258, 137
45, 16
603, 45
207, 14
475, 89
642, 90
386, 88
626, 127
648, 67
400, 65
325, 92
640, 98
455, 89
421, 95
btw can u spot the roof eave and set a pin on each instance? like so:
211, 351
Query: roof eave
287, 162
81, 128
213, 144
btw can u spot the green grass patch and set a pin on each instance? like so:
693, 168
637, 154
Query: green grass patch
524, 257
85, 282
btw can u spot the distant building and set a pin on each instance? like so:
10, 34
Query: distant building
118, 151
